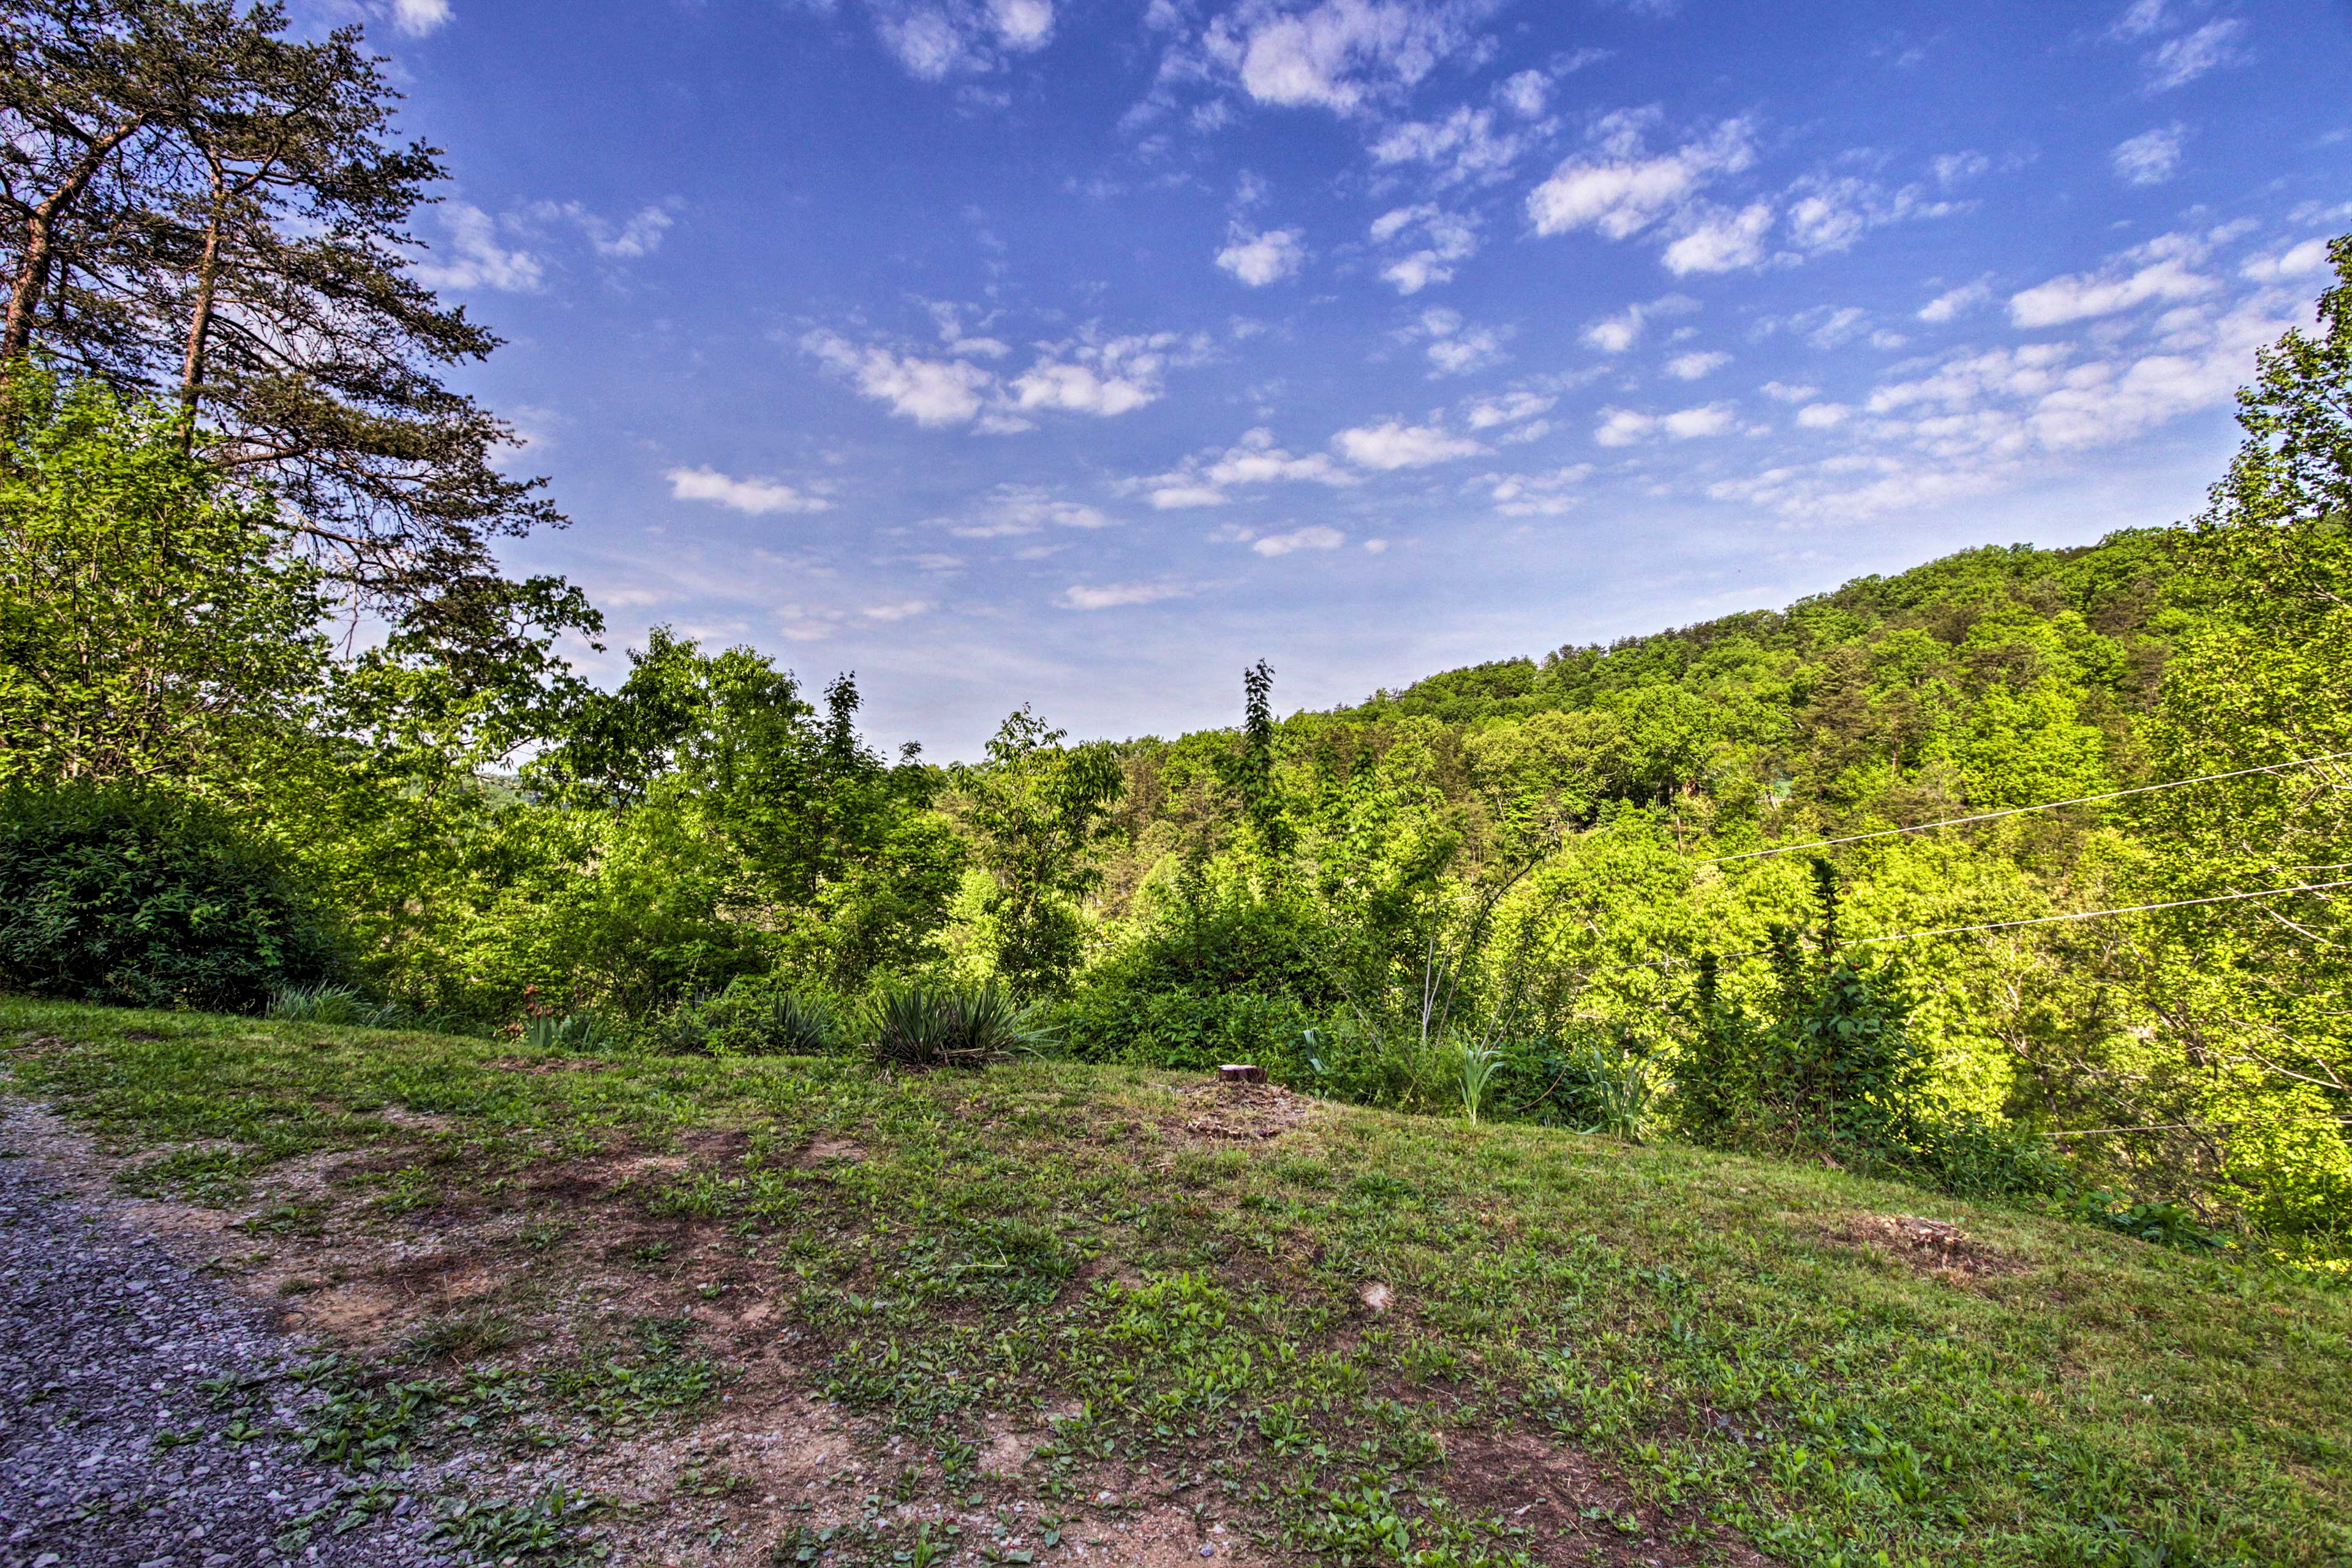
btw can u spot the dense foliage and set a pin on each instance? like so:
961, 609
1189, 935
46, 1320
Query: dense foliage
121, 894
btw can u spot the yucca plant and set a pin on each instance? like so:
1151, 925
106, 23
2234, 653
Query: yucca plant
923, 1026
798, 1026
1478, 1063
571, 1032
322, 1004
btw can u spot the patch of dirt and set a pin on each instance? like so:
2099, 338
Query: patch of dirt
1931, 1246
847, 1151
1573, 1509
1242, 1112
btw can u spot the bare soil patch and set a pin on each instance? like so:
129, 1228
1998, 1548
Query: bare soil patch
1243, 1111
1573, 1509
1931, 1246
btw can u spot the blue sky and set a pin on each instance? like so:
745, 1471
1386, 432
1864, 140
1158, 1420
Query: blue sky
1080, 351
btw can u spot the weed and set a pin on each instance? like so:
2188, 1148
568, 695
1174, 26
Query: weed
543, 1529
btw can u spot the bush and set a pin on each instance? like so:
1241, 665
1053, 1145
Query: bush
123, 895
920, 1026
1187, 1027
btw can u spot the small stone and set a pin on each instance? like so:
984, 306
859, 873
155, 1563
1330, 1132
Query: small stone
1208, 1551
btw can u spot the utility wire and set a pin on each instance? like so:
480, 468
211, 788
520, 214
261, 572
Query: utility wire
2020, 810
2207, 1126
2003, 925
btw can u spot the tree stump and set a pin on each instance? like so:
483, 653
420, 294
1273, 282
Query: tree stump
1242, 1072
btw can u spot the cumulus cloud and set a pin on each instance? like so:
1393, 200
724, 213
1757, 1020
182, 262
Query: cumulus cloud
1956, 168
1536, 495
928, 391
1615, 334
1823, 416
2181, 60
1977, 419
1828, 213
1510, 408
1105, 377
1457, 347
638, 235
1624, 427
1693, 366
757, 497
2151, 157
1783, 392
1088, 374
1620, 189
1721, 241
1445, 238
1314, 537
474, 258
1954, 303
416, 18
1258, 259
2157, 270
1118, 595
1464, 146
936, 39
1340, 55
1524, 93
2295, 261
904, 610
1255, 459
1011, 511
1392, 444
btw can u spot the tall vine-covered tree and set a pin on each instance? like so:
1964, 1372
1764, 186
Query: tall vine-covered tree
195, 207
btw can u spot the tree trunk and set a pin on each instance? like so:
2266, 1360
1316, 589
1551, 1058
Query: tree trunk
192, 364
33, 272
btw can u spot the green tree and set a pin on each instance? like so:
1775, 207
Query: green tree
1036, 812
149, 627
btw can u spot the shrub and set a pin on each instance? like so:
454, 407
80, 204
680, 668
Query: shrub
125, 895
923, 1026
767, 1015
1187, 1027
328, 1002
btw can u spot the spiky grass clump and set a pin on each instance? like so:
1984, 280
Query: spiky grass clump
923, 1026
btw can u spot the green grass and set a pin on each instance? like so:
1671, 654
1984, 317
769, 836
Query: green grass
1710, 1337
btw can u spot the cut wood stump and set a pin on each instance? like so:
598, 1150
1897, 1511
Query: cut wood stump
1242, 1072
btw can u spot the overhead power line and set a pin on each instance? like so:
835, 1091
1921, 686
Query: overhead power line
2003, 925
2022, 810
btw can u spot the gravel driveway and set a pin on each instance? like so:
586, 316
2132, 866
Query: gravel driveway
123, 1372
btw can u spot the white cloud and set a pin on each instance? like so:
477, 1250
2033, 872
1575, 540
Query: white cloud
639, 235
1954, 168
935, 39
1782, 392
1536, 495
1829, 213
2157, 270
1258, 259
1118, 595
1103, 378
1693, 366
1624, 190
1314, 537
2139, 18
1340, 55
1623, 426
2151, 157
2295, 261
1721, 241
1394, 444
1463, 145
1457, 347
1954, 303
1448, 238
1255, 459
475, 258
416, 18
757, 497
904, 610
1011, 511
1525, 93
928, 391
2181, 60
1823, 416
1512, 407
1615, 334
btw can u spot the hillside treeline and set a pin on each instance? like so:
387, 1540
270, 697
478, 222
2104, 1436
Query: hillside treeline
276, 732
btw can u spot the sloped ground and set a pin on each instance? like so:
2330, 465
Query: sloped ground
753, 1312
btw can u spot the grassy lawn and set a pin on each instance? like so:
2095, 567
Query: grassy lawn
756, 1310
